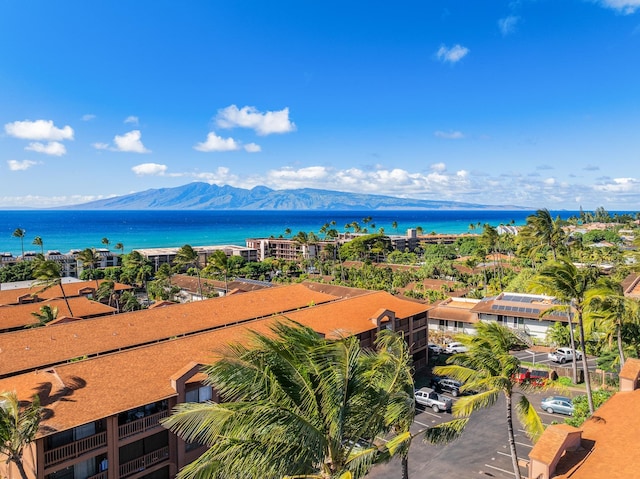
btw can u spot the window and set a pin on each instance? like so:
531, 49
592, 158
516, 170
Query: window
201, 394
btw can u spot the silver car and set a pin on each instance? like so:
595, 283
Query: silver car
557, 404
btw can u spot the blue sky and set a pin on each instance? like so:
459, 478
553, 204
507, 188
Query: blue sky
531, 102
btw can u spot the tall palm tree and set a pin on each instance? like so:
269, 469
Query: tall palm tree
47, 274
38, 242
105, 241
106, 290
608, 311
120, 246
186, 257
570, 285
219, 262
545, 231
89, 258
18, 427
489, 368
45, 315
19, 233
298, 405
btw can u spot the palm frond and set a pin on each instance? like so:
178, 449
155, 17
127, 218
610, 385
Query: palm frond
445, 432
529, 418
467, 405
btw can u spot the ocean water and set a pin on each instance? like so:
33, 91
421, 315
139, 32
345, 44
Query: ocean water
63, 230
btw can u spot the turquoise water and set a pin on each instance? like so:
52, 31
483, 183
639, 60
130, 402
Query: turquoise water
66, 230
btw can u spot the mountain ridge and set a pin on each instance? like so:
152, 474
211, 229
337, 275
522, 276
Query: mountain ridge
203, 196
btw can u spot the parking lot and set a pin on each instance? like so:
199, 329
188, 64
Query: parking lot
481, 451
538, 357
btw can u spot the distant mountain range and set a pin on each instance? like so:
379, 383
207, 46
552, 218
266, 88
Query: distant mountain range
203, 196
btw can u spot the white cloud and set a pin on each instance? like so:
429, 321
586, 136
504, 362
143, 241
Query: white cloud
618, 185
54, 148
35, 201
453, 54
217, 143
132, 119
149, 169
130, 142
88, 117
438, 167
101, 146
508, 24
449, 135
15, 165
252, 148
249, 117
38, 130
626, 7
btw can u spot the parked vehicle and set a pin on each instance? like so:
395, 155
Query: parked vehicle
455, 347
434, 348
448, 384
531, 376
557, 404
427, 397
562, 355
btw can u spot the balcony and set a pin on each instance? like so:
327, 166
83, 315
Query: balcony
141, 425
143, 462
75, 449
100, 475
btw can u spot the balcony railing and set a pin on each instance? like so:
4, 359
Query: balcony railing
100, 475
75, 449
143, 462
141, 425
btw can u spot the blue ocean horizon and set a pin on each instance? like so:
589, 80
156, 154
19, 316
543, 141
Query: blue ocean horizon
64, 230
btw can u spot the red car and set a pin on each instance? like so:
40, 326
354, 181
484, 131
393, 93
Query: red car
531, 376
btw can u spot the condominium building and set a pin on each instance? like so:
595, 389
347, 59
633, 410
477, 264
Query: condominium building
106, 383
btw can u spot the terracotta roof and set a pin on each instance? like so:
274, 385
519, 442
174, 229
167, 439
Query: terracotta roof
503, 305
353, 315
455, 309
631, 285
11, 296
335, 290
36, 348
631, 369
19, 315
85, 391
610, 441
551, 441
190, 283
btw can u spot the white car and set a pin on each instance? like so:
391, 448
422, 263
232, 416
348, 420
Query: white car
434, 348
455, 347
427, 397
562, 355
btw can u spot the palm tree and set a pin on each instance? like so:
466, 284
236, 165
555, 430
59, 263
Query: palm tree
545, 231
105, 241
298, 405
89, 258
19, 233
18, 427
38, 242
219, 262
394, 225
608, 311
489, 368
106, 290
570, 285
185, 257
120, 246
44, 316
47, 274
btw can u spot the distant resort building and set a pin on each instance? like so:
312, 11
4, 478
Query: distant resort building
160, 256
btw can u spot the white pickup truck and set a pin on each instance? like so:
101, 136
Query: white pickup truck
427, 397
562, 355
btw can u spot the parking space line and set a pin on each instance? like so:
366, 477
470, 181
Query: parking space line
523, 444
501, 470
422, 424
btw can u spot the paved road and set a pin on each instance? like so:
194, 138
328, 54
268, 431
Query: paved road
541, 358
481, 451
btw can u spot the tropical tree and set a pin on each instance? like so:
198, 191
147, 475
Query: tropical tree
219, 263
18, 427
489, 368
136, 269
120, 246
185, 257
19, 233
106, 290
608, 310
38, 242
45, 315
569, 285
105, 241
545, 232
47, 274
90, 258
